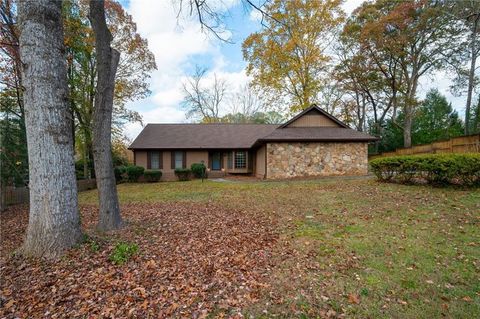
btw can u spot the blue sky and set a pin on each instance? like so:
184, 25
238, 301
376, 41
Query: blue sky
180, 44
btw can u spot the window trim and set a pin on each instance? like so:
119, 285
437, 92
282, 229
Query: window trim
149, 159
173, 159
245, 159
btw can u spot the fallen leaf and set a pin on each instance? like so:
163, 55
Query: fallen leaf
354, 298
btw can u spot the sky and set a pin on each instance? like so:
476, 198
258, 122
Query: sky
179, 44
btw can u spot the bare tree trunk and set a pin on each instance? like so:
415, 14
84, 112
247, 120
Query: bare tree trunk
107, 62
407, 130
471, 75
54, 223
409, 110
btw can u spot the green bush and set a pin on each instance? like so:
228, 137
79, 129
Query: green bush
134, 172
436, 169
123, 252
183, 174
120, 173
199, 170
152, 175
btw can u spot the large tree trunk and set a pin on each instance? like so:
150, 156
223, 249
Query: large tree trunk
471, 74
407, 129
54, 223
409, 110
107, 61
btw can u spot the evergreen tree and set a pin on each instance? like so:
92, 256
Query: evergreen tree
436, 120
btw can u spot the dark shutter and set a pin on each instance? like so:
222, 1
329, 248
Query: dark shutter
160, 160
210, 160
172, 155
250, 160
184, 160
221, 160
230, 160
134, 158
149, 159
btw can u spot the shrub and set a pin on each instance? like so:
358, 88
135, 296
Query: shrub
152, 175
437, 169
120, 173
134, 172
183, 174
123, 252
199, 170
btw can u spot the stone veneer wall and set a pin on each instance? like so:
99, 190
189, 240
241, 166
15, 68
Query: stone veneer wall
286, 160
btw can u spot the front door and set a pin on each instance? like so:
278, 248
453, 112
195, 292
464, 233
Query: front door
215, 161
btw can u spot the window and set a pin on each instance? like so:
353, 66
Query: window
241, 159
178, 159
155, 160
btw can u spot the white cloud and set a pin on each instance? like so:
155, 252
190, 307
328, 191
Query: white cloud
173, 40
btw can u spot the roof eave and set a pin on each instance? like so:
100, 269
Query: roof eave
268, 140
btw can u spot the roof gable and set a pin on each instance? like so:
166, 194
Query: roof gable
314, 117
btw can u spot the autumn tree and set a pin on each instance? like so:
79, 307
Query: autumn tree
288, 58
418, 33
370, 76
54, 223
131, 81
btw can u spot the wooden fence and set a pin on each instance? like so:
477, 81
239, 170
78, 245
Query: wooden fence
461, 144
20, 195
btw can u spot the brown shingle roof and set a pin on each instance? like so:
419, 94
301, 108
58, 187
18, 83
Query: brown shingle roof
227, 136
235, 136
200, 136
319, 134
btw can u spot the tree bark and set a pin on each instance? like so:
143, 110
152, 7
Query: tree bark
107, 62
54, 223
471, 74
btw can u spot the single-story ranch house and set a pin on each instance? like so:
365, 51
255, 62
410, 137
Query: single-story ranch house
313, 143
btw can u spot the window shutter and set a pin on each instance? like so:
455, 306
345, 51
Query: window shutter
160, 160
210, 160
221, 160
172, 155
184, 160
149, 159
230, 160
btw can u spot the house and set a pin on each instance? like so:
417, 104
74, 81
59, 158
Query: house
313, 143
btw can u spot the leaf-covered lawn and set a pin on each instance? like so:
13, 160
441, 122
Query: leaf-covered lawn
319, 248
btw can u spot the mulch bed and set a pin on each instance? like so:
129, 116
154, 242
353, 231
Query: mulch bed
193, 260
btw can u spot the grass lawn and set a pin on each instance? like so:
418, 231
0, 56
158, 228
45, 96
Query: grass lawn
350, 248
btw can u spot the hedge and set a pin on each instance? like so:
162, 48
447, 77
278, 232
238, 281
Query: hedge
437, 169
152, 175
134, 172
199, 170
119, 173
183, 174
